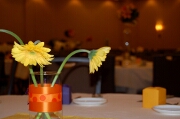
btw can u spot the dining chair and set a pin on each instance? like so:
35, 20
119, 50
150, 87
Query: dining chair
12, 77
3, 81
75, 74
7, 82
166, 73
105, 75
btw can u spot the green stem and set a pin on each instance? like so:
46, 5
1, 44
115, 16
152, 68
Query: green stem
12, 34
32, 76
44, 116
64, 61
47, 115
41, 76
38, 116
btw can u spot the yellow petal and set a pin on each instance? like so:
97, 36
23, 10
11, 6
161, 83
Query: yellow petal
31, 54
98, 58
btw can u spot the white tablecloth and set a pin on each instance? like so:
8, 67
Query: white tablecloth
133, 77
119, 106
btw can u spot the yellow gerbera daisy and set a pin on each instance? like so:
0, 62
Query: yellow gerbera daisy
96, 57
32, 54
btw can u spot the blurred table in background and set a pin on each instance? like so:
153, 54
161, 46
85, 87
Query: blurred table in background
22, 72
133, 77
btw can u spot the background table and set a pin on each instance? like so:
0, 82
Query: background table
119, 106
22, 72
133, 77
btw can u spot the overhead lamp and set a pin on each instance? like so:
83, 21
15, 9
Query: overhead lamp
159, 27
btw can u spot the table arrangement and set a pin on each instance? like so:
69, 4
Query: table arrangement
117, 106
45, 97
45, 90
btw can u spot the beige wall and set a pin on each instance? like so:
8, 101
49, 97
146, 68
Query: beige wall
47, 19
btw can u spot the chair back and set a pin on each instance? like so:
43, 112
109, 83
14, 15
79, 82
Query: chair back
6, 82
12, 77
75, 74
166, 73
3, 81
2, 72
105, 75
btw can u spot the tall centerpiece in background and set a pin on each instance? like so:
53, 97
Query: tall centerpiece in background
128, 14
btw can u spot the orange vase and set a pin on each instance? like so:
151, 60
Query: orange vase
45, 99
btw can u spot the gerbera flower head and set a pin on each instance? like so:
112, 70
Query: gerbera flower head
97, 57
32, 54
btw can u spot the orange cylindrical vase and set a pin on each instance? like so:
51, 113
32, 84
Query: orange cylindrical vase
45, 99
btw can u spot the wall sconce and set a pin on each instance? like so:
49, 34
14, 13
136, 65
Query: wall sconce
159, 27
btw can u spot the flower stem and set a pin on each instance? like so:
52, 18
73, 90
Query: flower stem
32, 76
38, 116
47, 115
64, 61
12, 34
41, 76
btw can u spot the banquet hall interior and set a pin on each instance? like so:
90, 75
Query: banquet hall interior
145, 50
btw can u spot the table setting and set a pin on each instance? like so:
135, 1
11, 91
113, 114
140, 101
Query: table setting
89, 101
45, 90
117, 106
45, 99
